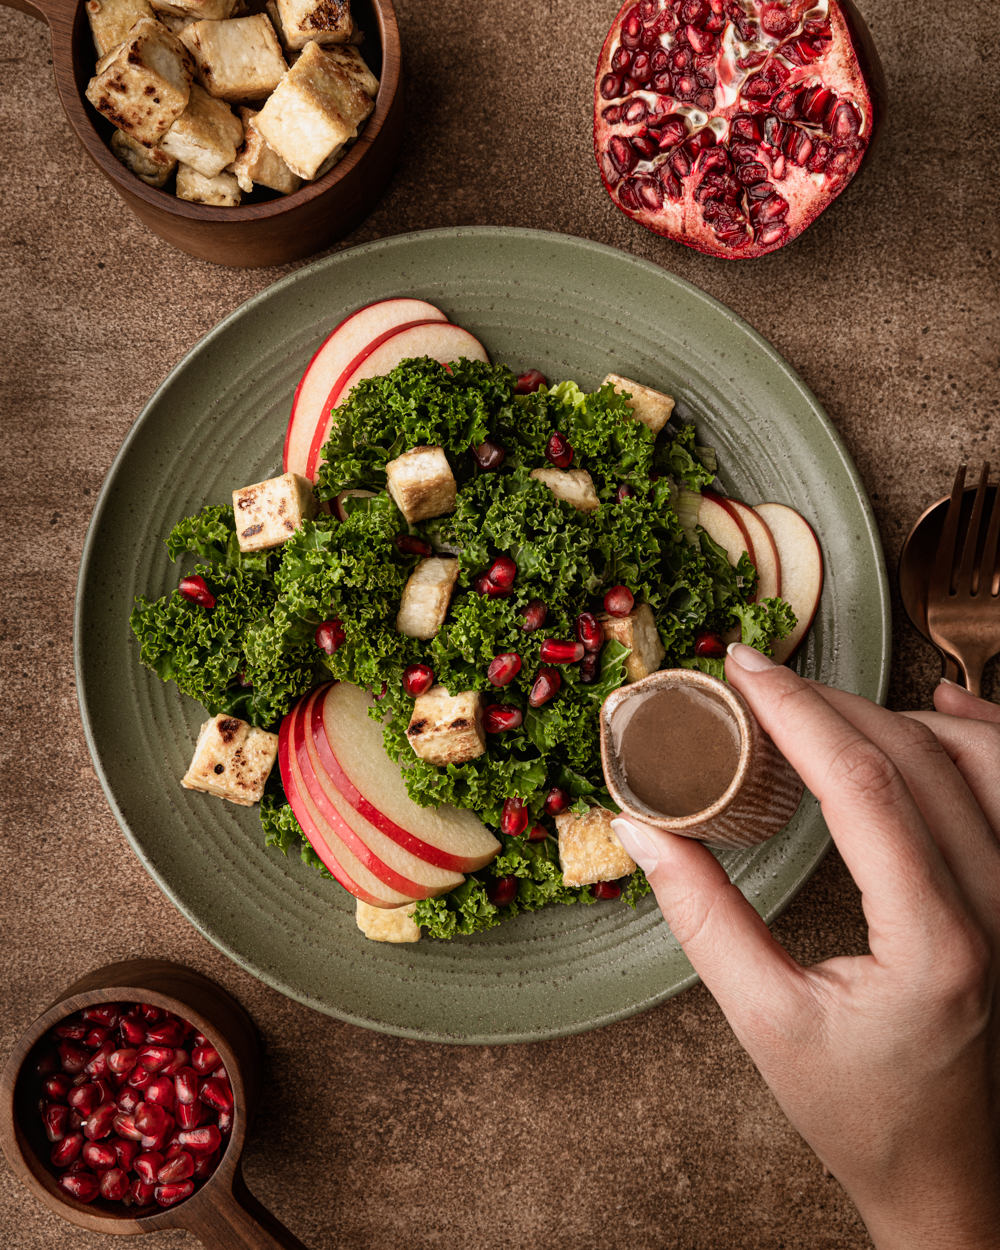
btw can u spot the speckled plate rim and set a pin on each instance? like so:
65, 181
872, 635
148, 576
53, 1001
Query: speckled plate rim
880, 622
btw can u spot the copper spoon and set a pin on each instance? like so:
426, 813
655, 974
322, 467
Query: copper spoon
915, 563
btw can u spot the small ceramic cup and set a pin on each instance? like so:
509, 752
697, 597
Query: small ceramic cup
760, 800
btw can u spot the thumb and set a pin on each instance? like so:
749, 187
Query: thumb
725, 939
955, 700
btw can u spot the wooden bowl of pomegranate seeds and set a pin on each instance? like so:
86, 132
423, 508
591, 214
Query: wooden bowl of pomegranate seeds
125, 1107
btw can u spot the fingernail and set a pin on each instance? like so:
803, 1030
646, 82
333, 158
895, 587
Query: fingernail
749, 657
946, 681
638, 844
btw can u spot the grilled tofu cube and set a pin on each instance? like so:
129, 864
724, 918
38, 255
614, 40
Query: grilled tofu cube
388, 924
144, 84
589, 849
152, 165
353, 64
575, 486
315, 109
212, 10
447, 729
426, 596
231, 760
268, 513
256, 162
638, 631
222, 191
206, 135
421, 483
239, 59
318, 21
652, 408
111, 20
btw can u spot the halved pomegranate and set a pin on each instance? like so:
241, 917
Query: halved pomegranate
730, 125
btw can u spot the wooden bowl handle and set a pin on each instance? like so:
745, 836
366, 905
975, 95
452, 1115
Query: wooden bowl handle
47, 11
237, 1221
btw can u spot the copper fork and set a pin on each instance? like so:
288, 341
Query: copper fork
963, 595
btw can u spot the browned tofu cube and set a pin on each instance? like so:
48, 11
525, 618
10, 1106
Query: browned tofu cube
353, 64
238, 59
589, 849
206, 135
144, 84
447, 729
256, 162
268, 513
421, 483
319, 21
152, 165
111, 20
426, 596
387, 924
232, 760
222, 191
638, 631
575, 486
214, 10
652, 408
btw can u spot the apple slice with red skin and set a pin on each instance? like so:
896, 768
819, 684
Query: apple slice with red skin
801, 570
764, 548
389, 861
323, 838
324, 373
339, 511
349, 746
440, 340
726, 526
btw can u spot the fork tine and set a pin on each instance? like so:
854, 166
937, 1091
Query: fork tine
989, 570
939, 585
963, 584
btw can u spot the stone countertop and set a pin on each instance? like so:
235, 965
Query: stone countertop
656, 1132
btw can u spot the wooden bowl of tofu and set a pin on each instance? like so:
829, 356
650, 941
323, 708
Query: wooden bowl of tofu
269, 226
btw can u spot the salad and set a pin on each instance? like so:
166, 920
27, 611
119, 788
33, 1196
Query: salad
324, 604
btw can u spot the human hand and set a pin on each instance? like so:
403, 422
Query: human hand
888, 1064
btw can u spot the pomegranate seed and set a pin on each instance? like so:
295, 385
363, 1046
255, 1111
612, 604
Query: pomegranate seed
55, 1117
529, 382
489, 455
124, 1126
169, 1033
128, 1100
555, 652
71, 1030
64, 1152
417, 679
122, 1061
624, 492
179, 1168
537, 833
556, 801
56, 1088
78, 1165
133, 1030
99, 1155
181, 1059
125, 1152
114, 1185
153, 1058
482, 585
514, 819
81, 1186
619, 601
226, 1122
559, 452
173, 1146
141, 1193
546, 686
201, 1040
204, 1059
99, 1124
605, 889
139, 1077
411, 545
96, 1037
105, 1093
201, 1141
205, 1165
709, 644
329, 636
186, 1085
590, 667
498, 718
98, 1065
195, 590
589, 631
170, 1195
189, 1114
503, 668
161, 1092
217, 1094
151, 1013
501, 891
502, 572
534, 616
84, 1098
73, 1057
150, 1119
76, 1120
147, 1165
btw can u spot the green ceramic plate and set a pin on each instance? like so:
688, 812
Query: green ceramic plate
573, 309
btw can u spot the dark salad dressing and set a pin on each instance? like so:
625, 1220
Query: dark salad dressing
679, 750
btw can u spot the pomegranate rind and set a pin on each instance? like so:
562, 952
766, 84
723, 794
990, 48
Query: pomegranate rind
662, 156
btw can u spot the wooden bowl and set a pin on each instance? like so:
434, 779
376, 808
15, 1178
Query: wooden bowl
222, 1212
272, 231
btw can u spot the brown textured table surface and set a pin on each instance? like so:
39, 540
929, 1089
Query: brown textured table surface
657, 1132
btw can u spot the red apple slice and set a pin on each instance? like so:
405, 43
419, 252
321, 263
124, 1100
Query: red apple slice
352, 875
765, 551
389, 861
339, 511
349, 745
725, 526
801, 570
337, 352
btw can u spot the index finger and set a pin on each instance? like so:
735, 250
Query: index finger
872, 816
